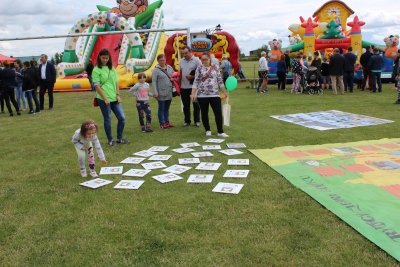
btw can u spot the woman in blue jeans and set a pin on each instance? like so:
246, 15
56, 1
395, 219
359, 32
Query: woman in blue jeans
19, 79
162, 90
105, 80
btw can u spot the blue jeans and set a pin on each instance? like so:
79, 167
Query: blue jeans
32, 94
348, 79
163, 111
376, 76
116, 108
20, 95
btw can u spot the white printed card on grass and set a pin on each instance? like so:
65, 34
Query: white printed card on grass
236, 145
111, 170
200, 178
202, 154
131, 160
178, 169
234, 162
228, 188
160, 157
183, 150
154, 165
208, 166
231, 152
236, 173
129, 184
193, 144
136, 173
166, 178
211, 147
158, 148
186, 161
96, 183
145, 153
218, 141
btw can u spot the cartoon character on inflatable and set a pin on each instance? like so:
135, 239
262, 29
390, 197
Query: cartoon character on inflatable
130, 8
276, 52
392, 43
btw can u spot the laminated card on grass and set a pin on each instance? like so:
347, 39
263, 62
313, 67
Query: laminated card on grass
236, 145
228, 188
211, 147
111, 170
183, 150
154, 165
200, 178
186, 161
160, 157
218, 141
178, 169
158, 148
238, 162
202, 154
166, 178
231, 152
96, 183
193, 144
129, 184
208, 166
236, 173
136, 173
145, 153
131, 160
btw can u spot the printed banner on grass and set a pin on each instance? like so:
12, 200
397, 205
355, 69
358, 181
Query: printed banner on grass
329, 120
359, 182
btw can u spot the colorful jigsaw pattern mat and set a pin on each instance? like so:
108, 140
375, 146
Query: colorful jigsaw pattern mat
359, 182
329, 120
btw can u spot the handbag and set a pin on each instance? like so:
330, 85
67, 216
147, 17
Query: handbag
95, 102
174, 92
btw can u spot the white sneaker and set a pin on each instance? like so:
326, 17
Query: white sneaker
83, 172
208, 133
93, 174
223, 135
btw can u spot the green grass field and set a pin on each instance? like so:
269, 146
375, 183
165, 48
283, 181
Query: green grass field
47, 219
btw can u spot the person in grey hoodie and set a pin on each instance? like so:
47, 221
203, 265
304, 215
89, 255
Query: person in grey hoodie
375, 64
162, 90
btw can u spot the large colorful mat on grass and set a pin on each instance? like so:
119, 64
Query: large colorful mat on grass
359, 182
329, 120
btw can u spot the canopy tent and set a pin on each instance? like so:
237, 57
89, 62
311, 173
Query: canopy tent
3, 57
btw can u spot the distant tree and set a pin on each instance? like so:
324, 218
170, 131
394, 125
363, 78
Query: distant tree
34, 59
262, 48
58, 57
52, 60
241, 54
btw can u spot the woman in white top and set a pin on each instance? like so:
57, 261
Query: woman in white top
263, 72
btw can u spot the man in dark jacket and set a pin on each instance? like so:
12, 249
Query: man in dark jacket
47, 80
336, 70
364, 63
348, 77
375, 64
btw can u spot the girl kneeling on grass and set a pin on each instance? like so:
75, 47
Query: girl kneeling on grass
82, 140
141, 92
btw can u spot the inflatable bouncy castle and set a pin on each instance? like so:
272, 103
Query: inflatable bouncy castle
218, 43
131, 53
329, 28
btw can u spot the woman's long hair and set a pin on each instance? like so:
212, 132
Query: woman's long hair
104, 52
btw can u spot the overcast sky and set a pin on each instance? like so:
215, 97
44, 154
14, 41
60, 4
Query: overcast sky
252, 22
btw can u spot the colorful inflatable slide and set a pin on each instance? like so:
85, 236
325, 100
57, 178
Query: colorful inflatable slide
131, 53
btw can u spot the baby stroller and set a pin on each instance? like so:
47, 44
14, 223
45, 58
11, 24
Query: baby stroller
312, 84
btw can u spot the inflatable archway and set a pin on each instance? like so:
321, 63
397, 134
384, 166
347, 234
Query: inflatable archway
220, 43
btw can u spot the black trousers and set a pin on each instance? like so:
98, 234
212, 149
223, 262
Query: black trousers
185, 97
281, 80
2, 101
9, 96
46, 86
215, 103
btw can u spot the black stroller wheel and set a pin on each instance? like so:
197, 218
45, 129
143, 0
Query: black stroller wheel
311, 91
320, 91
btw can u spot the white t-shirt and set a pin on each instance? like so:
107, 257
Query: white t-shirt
43, 74
263, 64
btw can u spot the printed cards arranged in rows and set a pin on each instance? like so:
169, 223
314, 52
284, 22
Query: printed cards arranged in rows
156, 156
